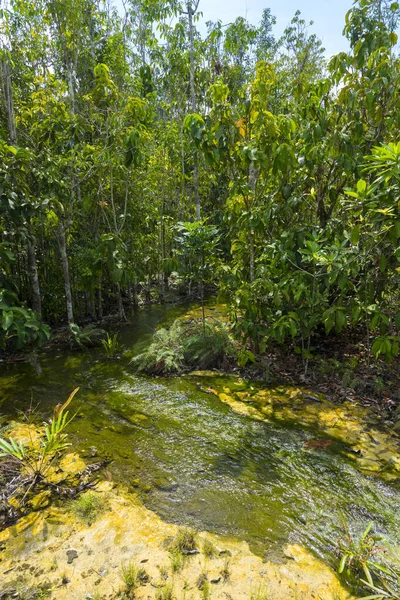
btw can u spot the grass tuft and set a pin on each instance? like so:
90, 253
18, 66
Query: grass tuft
88, 507
184, 541
209, 549
133, 576
165, 593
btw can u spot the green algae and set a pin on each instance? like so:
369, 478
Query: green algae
218, 453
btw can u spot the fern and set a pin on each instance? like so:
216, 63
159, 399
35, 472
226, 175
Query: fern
165, 353
180, 346
207, 345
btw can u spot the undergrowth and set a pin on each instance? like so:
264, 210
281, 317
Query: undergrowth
197, 344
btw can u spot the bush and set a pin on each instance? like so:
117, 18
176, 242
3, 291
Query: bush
195, 345
165, 353
207, 345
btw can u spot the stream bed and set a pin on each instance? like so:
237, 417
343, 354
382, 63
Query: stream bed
200, 461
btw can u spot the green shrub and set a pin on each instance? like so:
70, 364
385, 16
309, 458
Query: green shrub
176, 559
196, 345
207, 345
85, 337
165, 353
209, 549
370, 564
111, 345
165, 593
36, 459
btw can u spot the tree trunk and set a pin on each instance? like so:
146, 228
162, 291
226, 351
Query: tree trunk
135, 293
191, 11
8, 100
34, 279
62, 243
99, 301
121, 312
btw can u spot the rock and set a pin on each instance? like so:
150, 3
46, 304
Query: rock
71, 554
217, 580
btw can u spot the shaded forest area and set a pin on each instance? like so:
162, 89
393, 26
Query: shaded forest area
141, 160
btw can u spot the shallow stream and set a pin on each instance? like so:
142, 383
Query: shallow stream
200, 461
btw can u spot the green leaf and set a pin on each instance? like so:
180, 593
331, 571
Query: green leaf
361, 186
7, 320
355, 235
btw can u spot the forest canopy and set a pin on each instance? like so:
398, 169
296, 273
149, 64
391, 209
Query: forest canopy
136, 153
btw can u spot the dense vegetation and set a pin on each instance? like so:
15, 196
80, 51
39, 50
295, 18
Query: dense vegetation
136, 153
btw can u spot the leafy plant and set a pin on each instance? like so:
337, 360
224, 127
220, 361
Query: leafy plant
370, 563
165, 353
33, 459
165, 593
111, 345
177, 561
19, 326
197, 344
185, 541
86, 336
133, 576
209, 549
207, 345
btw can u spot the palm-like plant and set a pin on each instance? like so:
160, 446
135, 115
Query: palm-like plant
35, 459
111, 345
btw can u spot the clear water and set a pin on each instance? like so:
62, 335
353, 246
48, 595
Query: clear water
194, 460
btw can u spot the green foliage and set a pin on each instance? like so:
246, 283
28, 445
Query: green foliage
86, 336
177, 561
88, 507
198, 344
166, 592
185, 541
35, 459
165, 353
207, 345
111, 345
209, 549
19, 326
280, 187
130, 576
371, 564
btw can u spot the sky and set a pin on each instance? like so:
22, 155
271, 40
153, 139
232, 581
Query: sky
328, 16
